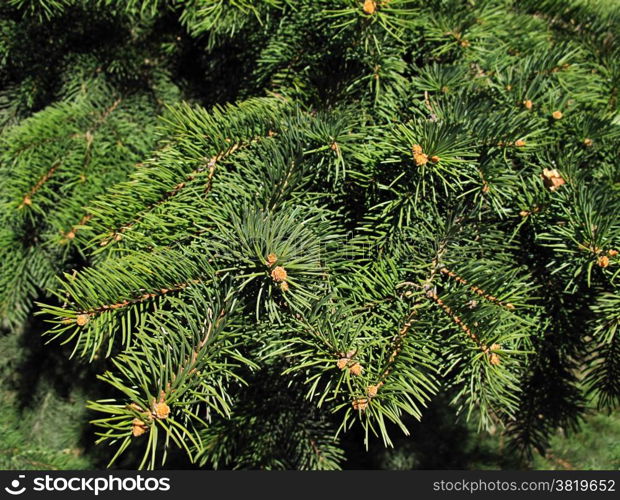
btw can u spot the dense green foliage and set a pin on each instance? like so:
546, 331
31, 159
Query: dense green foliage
272, 229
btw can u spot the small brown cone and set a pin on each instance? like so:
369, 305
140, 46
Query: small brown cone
603, 261
82, 319
370, 6
557, 115
360, 404
588, 142
355, 369
279, 274
138, 427
612, 253
272, 258
161, 410
493, 356
420, 159
342, 363
372, 390
136, 407
552, 179
435, 159
520, 143
528, 104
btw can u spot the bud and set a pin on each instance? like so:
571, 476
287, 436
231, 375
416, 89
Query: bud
370, 6
603, 261
494, 358
552, 179
82, 319
161, 410
138, 427
372, 390
271, 259
356, 369
360, 404
279, 274
342, 363
420, 159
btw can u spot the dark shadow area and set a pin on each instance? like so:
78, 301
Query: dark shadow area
439, 441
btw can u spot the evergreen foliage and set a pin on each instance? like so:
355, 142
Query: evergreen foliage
267, 226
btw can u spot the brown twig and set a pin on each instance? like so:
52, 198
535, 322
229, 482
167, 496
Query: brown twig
28, 197
142, 298
476, 289
431, 294
210, 166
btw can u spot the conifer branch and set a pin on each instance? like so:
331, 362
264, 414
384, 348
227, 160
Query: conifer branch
83, 316
27, 200
476, 289
251, 311
431, 294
